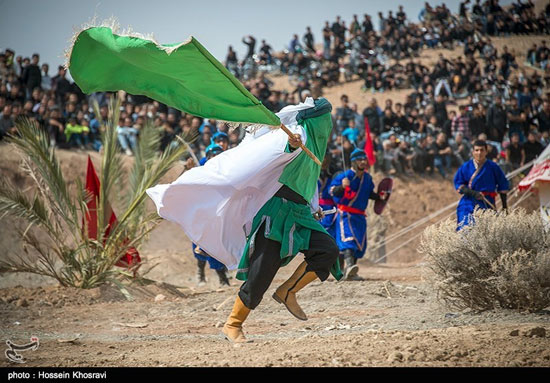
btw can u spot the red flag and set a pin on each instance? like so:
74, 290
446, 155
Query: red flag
369, 146
92, 186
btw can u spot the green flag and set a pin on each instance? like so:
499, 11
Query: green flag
184, 76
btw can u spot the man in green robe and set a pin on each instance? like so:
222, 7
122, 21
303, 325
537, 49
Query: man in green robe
285, 226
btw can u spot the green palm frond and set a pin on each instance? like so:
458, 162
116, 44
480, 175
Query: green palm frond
145, 155
191, 136
35, 144
111, 169
68, 254
151, 176
15, 203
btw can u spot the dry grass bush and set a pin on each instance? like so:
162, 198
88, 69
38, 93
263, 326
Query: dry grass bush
502, 261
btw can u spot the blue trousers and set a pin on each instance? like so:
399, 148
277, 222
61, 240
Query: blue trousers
351, 233
465, 210
212, 262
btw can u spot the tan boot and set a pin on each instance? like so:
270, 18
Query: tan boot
286, 293
233, 328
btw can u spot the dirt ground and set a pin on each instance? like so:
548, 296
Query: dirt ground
391, 318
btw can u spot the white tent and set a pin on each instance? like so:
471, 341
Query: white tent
539, 178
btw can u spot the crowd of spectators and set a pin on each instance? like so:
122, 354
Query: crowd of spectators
425, 138
537, 56
366, 48
494, 98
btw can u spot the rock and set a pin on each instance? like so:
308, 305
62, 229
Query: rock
395, 357
514, 333
22, 302
160, 298
538, 332
396, 335
94, 293
440, 356
408, 337
421, 356
219, 324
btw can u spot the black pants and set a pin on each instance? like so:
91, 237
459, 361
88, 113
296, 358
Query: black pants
266, 260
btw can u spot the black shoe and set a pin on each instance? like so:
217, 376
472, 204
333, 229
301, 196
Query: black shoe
222, 275
201, 279
350, 267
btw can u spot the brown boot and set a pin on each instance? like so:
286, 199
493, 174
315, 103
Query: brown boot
233, 328
286, 293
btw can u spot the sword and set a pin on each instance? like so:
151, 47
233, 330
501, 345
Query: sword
318, 215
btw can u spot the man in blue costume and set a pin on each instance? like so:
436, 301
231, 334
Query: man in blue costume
351, 191
326, 202
212, 151
479, 180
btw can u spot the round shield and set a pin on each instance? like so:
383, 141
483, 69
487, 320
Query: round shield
384, 190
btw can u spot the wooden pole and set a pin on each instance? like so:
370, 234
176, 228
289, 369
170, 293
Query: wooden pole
308, 152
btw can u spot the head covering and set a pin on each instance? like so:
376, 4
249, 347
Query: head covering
320, 107
212, 150
220, 135
288, 114
357, 154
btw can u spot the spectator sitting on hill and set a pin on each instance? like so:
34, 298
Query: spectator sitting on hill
532, 147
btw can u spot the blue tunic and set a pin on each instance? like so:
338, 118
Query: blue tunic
351, 228
327, 203
490, 179
212, 262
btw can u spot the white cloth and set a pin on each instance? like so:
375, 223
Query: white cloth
216, 203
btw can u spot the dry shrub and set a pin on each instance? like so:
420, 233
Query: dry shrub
502, 261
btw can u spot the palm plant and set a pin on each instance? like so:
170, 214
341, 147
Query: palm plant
68, 254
